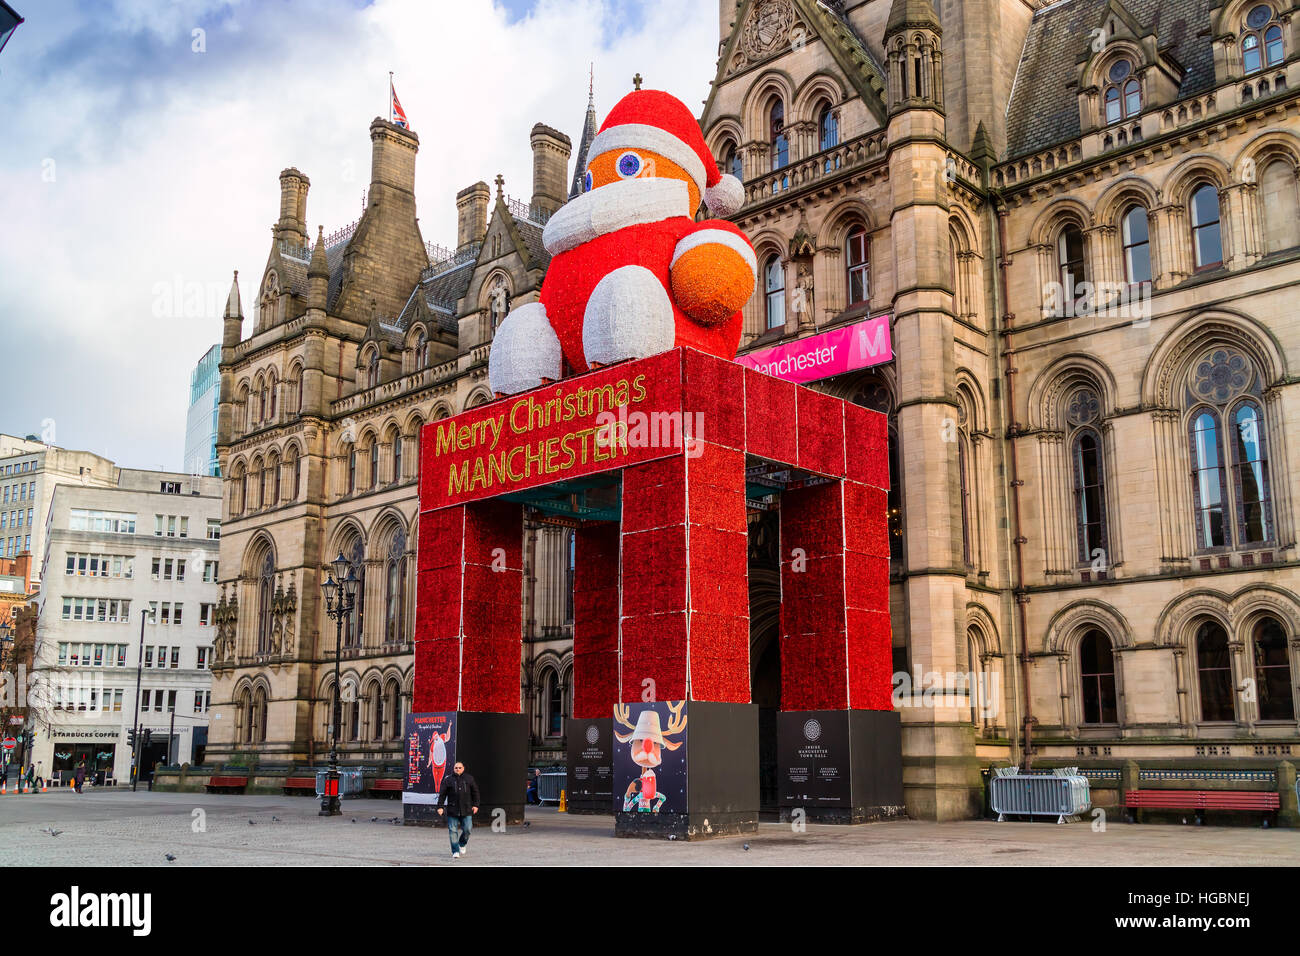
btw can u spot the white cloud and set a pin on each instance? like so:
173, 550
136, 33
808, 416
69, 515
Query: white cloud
165, 163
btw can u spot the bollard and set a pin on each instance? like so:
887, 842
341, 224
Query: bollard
564, 806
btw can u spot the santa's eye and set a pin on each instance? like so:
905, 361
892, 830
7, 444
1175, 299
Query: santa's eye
629, 165
586, 182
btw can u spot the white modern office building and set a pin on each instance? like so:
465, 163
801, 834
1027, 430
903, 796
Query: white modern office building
126, 615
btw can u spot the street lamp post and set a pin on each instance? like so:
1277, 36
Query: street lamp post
340, 599
135, 734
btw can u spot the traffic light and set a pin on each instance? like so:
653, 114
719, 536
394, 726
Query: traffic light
130, 737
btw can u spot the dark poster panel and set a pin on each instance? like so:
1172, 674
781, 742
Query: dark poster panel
813, 750
650, 757
430, 754
590, 778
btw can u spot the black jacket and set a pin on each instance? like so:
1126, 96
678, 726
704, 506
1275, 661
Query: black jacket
459, 794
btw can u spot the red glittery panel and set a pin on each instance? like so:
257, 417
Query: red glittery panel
654, 571
870, 660
821, 433
714, 399
866, 438
437, 677
866, 519
654, 650
770, 417
595, 620
437, 604
654, 494
439, 540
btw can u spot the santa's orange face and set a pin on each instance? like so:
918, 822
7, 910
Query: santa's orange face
620, 164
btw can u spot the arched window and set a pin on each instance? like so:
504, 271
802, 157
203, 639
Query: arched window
274, 467
295, 389
1207, 480
1206, 238
1214, 672
272, 386
351, 453
255, 472
1279, 201
554, 705
1072, 265
258, 723
1261, 40
1137, 246
354, 623
377, 729
395, 568
828, 126
238, 489
372, 478
1123, 92
265, 603
1097, 674
372, 368
395, 437
731, 160
421, 350
244, 716
1273, 672
776, 136
1082, 415
393, 695
858, 265
1250, 475
1224, 387
295, 465
963, 466
775, 283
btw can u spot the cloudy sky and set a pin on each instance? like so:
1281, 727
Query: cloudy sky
141, 141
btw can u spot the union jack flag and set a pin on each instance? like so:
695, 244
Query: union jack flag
399, 116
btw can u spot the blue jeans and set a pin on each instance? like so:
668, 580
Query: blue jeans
458, 830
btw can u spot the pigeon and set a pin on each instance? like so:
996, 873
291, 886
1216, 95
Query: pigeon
251, 822
170, 858
672, 836
527, 824
51, 831
374, 819
747, 847
274, 818
354, 819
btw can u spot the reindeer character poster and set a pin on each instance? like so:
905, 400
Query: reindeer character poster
649, 757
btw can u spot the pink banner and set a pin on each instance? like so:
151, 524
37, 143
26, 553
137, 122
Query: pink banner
860, 345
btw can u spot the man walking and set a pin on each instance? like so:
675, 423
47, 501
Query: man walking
459, 797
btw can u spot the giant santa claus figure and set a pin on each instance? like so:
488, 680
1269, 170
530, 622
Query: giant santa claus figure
632, 273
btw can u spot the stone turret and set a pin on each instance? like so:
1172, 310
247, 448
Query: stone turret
914, 55
292, 226
551, 150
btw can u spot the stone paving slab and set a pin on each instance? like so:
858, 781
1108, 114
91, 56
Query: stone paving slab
118, 828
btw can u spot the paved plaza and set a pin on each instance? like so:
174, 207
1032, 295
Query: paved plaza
119, 828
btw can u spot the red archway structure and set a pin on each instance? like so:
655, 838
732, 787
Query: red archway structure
655, 461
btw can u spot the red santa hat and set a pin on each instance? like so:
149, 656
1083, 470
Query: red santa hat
659, 122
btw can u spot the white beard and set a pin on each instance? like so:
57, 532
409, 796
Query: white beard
629, 202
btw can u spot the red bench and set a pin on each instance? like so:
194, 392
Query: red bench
386, 785
227, 784
297, 785
1201, 800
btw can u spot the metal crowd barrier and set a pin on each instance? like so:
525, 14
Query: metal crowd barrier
549, 786
1062, 794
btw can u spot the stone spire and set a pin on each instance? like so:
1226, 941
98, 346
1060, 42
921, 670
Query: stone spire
232, 320
318, 274
912, 13
588, 134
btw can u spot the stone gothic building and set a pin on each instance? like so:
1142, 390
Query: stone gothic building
1083, 221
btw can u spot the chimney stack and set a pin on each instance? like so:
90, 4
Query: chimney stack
472, 214
551, 150
293, 207
392, 158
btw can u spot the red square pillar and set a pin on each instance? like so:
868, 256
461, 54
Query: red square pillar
468, 613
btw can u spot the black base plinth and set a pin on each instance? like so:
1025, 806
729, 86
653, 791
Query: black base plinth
494, 749
589, 780
840, 766
720, 774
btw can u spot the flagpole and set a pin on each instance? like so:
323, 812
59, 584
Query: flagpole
390, 96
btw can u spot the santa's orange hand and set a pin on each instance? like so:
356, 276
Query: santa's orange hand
711, 282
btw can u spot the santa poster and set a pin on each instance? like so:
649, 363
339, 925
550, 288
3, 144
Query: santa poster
650, 757
430, 754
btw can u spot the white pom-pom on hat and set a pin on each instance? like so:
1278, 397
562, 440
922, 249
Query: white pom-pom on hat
725, 198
